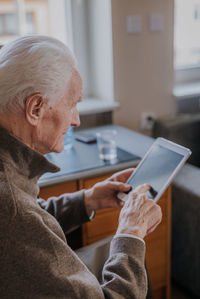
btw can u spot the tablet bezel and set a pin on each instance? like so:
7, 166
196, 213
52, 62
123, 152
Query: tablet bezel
168, 145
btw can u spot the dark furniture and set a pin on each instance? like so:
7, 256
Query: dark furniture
185, 130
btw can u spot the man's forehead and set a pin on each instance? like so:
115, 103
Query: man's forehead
74, 92
76, 82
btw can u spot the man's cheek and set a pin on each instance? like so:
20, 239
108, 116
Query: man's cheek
58, 144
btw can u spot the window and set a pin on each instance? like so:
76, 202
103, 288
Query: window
8, 24
187, 37
187, 41
84, 25
21, 17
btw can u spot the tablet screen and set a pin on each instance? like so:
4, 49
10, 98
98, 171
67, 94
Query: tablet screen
156, 169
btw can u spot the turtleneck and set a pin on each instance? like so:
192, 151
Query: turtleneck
25, 164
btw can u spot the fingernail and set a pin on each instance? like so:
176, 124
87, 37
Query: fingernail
127, 185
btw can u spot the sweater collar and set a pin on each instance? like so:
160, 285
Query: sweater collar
26, 160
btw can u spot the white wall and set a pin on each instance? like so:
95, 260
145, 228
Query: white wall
143, 63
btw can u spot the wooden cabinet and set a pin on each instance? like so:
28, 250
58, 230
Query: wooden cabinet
105, 224
56, 190
158, 246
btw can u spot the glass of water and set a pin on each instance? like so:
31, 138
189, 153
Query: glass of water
69, 138
106, 142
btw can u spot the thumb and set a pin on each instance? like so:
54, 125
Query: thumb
121, 187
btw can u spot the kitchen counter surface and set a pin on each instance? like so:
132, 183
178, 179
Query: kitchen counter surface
82, 160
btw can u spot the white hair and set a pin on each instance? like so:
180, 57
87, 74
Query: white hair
34, 64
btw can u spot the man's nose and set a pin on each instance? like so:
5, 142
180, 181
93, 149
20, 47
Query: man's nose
76, 119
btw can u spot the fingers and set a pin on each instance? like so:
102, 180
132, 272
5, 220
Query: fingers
137, 199
150, 230
119, 187
122, 176
125, 174
145, 212
145, 204
154, 216
142, 188
150, 213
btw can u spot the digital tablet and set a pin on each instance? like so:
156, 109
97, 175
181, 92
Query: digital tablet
159, 166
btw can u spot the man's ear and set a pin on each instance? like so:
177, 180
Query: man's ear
33, 108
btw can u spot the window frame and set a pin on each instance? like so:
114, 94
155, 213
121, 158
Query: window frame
102, 96
185, 74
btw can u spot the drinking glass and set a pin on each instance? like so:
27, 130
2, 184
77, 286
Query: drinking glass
106, 142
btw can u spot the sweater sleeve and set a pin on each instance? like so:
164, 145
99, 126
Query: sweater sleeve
68, 209
124, 274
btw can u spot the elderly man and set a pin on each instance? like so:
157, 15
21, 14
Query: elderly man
39, 90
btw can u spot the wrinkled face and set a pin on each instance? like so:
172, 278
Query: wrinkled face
58, 117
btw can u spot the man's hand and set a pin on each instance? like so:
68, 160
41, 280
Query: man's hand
104, 194
121, 176
139, 215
